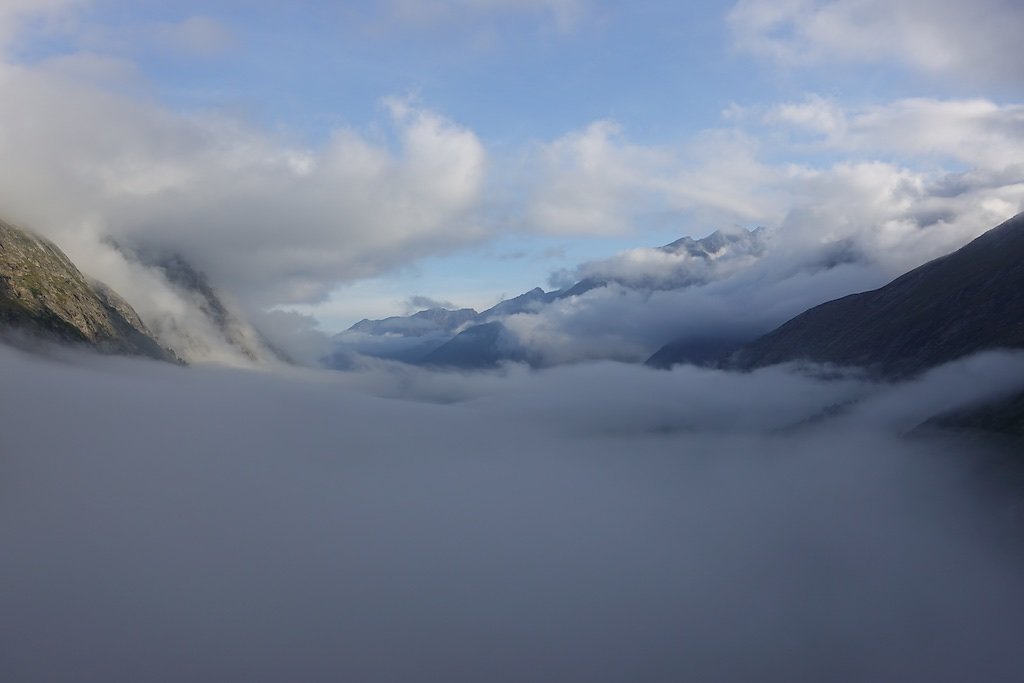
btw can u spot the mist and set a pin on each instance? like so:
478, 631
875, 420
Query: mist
598, 522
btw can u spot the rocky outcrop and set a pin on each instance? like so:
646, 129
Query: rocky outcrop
44, 296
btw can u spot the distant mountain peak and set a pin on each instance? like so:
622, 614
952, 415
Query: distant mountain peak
748, 241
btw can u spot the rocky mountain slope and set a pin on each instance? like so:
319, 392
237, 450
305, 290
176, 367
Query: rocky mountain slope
44, 296
968, 301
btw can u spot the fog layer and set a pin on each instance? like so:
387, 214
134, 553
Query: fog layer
592, 523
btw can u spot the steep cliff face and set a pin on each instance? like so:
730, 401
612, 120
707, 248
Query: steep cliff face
43, 295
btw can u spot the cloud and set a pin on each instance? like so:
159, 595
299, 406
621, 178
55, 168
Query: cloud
17, 16
588, 181
969, 40
850, 227
843, 219
598, 523
596, 182
267, 219
419, 303
629, 325
976, 132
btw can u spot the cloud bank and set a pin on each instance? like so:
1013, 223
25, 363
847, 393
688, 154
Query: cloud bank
972, 41
596, 523
270, 221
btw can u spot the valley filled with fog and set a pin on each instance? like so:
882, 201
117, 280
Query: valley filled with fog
511, 341
595, 522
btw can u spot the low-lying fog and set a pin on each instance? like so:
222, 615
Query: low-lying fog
590, 523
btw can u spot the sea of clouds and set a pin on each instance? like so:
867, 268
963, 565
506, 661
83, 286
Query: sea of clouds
595, 522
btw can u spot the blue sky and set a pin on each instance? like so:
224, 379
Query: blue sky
519, 137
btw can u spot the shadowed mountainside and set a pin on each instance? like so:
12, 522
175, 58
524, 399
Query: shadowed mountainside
959, 304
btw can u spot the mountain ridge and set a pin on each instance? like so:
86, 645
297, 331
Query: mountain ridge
411, 340
955, 305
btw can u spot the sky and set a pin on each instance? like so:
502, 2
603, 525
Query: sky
340, 159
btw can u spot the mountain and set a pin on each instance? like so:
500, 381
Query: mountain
706, 351
43, 295
686, 262
722, 242
436, 336
429, 321
1004, 416
524, 303
967, 301
476, 348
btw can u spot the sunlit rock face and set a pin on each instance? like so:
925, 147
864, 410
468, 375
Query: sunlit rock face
44, 296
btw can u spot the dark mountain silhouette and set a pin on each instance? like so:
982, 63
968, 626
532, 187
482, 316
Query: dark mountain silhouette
418, 324
1004, 416
706, 351
965, 302
476, 348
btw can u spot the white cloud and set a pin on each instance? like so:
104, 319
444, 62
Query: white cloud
270, 220
969, 39
870, 160
814, 113
595, 181
975, 132
847, 227
590, 181
834, 203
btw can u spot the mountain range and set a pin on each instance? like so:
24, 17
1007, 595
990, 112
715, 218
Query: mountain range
466, 339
